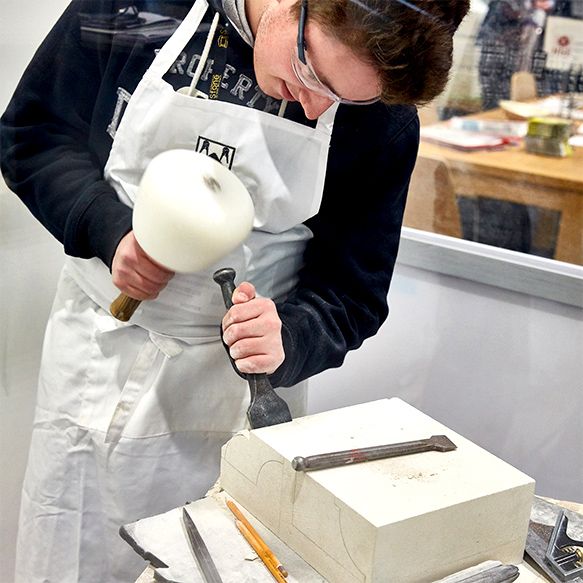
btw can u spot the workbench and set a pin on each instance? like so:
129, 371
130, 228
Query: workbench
527, 575
304, 574
511, 174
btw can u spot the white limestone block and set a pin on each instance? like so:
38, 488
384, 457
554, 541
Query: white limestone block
414, 518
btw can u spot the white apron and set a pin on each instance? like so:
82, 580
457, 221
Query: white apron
131, 416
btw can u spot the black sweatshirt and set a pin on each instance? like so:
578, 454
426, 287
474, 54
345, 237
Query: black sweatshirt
58, 130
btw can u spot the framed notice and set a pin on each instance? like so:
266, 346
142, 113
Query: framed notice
563, 42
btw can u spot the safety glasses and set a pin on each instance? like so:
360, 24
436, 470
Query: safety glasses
304, 71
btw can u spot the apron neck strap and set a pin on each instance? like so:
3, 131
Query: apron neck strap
171, 50
326, 120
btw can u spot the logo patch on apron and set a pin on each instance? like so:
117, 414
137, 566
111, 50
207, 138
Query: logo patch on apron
220, 152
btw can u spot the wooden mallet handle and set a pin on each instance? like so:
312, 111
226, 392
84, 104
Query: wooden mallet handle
123, 307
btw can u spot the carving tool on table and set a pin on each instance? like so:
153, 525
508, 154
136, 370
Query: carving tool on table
558, 555
266, 407
266, 551
564, 554
203, 557
486, 572
365, 454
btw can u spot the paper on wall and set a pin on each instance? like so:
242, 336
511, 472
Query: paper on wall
563, 42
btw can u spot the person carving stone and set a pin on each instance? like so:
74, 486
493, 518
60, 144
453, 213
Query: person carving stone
314, 102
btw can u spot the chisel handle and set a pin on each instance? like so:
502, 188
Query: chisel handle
226, 279
258, 382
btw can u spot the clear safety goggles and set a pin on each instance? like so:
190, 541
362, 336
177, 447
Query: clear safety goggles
304, 71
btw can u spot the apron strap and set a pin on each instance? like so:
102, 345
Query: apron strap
143, 374
193, 92
171, 50
325, 122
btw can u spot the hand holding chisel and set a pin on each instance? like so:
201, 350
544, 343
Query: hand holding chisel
266, 407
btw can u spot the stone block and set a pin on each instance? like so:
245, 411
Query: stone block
409, 519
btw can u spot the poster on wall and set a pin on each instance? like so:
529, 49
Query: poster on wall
563, 43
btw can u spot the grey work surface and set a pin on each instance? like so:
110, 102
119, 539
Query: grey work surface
162, 539
545, 511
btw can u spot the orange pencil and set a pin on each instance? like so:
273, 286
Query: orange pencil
260, 551
266, 550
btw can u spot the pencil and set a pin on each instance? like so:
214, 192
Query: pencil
267, 551
260, 551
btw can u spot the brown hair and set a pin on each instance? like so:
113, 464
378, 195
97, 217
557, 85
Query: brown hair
409, 42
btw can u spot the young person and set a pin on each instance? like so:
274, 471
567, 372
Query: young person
314, 101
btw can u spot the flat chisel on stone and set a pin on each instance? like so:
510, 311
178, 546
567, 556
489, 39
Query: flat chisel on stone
355, 456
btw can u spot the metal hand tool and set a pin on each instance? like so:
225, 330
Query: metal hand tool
365, 454
266, 407
486, 572
203, 557
559, 556
564, 554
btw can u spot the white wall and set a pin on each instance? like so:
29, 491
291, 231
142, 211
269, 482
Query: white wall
502, 368
29, 264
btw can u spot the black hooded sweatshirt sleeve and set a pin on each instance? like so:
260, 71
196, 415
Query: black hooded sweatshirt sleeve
54, 142
341, 298
45, 151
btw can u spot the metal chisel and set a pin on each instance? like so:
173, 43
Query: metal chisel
203, 557
486, 572
266, 407
365, 454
